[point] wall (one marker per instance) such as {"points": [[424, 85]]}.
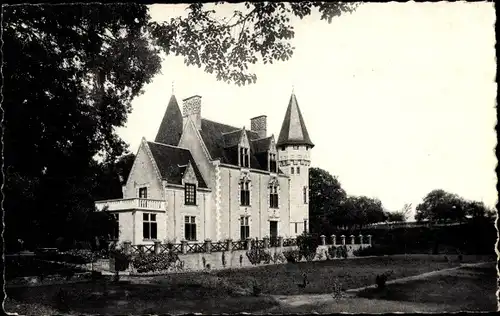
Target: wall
{"points": [[176, 210], [301, 157], [143, 174], [258, 211]]}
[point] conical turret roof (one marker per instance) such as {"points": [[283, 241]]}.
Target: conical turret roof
{"points": [[170, 130], [293, 130]]}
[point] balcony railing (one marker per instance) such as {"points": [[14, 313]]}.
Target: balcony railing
{"points": [[129, 204]]}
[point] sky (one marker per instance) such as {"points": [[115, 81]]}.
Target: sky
{"points": [[398, 98]]}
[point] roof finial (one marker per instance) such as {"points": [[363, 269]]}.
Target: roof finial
{"points": [[293, 89], [172, 87]]}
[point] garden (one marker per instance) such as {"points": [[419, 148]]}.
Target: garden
{"points": [[220, 291]]}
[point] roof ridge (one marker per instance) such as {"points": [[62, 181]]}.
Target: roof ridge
{"points": [[231, 126]]}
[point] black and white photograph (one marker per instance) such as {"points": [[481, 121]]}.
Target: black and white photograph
{"points": [[249, 157]]}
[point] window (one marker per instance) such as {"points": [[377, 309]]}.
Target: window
{"points": [[292, 169], [116, 226], [149, 226], [244, 228], [272, 163], [244, 158], [143, 193], [283, 148], [245, 193], [305, 226], [190, 194], [296, 147], [298, 170], [296, 227], [189, 228], [273, 196], [305, 195]]}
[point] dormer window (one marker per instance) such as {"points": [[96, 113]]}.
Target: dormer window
{"points": [[244, 157], [189, 194], [245, 193], [273, 166]]}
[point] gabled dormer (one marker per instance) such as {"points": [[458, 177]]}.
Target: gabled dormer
{"points": [[244, 150], [272, 156], [190, 183]]}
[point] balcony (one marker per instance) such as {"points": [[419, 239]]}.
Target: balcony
{"points": [[131, 204]]}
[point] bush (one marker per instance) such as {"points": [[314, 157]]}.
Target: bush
{"points": [[151, 262], [341, 252], [332, 252], [292, 256], [376, 250], [256, 256], [278, 257], [307, 244]]}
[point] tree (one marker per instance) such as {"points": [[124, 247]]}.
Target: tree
{"points": [[325, 197], [357, 211], [71, 72], [258, 31], [395, 217], [440, 205]]}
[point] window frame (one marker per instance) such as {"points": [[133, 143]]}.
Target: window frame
{"points": [[273, 197], [149, 221], [143, 190], [244, 227], [188, 198], [244, 193], [190, 233], [244, 157]]}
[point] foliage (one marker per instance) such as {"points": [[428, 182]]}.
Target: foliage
{"points": [[292, 255], [341, 252], [79, 256], [307, 244], [395, 216], [71, 74], [278, 257], [380, 280], [439, 205], [325, 197], [256, 256], [121, 259], [226, 47], [152, 262], [332, 252]]}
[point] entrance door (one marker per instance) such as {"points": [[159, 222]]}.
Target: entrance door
{"points": [[273, 229]]}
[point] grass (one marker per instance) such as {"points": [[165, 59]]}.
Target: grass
{"points": [[226, 291], [464, 289], [24, 266]]}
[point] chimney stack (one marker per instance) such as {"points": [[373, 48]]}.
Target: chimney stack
{"points": [[192, 108], [259, 124]]}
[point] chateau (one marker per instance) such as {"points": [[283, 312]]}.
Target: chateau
{"points": [[202, 179]]}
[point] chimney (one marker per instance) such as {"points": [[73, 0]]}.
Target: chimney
{"points": [[259, 124], [192, 108]]}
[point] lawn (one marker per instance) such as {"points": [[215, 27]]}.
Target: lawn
{"points": [[24, 266], [225, 291], [464, 289]]}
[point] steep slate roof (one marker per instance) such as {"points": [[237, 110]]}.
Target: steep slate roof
{"points": [[221, 141], [172, 162], [293, 130], [170, 130]]}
